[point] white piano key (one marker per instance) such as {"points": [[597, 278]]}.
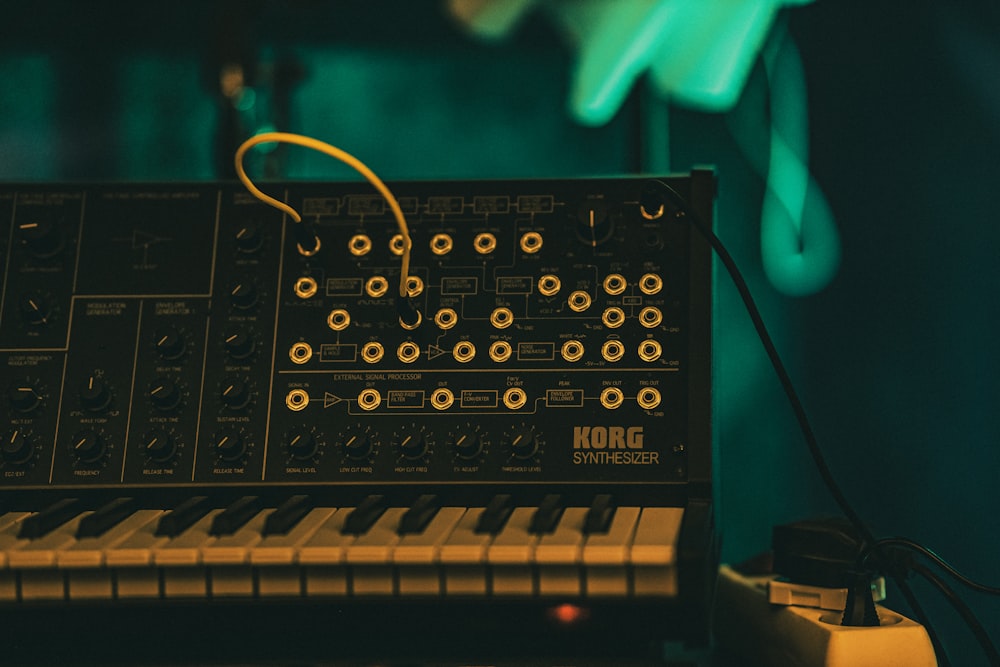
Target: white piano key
{"points": [[90, 552], [42, 584], [234, 549], [41, 552], [283, 549], [463, 557], [86, 579], [511, 555], [186, 548], [131, 561], [228, 558], [10, 524], [416, 555], [323, 557], [8, 586], [559, 554], [654, 551], [605, 555], [275, 556], [370, 555], [182, 574]]}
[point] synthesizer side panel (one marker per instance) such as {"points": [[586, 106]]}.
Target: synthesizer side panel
{"points": [[174, 335]]}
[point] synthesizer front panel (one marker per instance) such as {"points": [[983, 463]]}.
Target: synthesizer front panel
{"points": [[178, 336]]}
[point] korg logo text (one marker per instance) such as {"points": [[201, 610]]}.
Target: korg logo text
{"points": [[607, 437]]}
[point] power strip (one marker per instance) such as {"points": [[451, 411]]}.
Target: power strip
{"points": [[754, 632]]}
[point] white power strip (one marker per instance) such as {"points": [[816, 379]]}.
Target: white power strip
{"points": [[751, 630]]}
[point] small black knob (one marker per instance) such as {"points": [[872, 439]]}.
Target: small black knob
{"points": [[301, 444], [249, 238], [228, 444], [164, 394], [593, 223], [356, 443], [95, 395], [243, 293], [159, 445], [42, 238], [235, 393], [169, 343], [523, 443], [24, 397], [16, 446], [411, 442], [88, 446], [239, 344], [35, 309], [466, 443]]}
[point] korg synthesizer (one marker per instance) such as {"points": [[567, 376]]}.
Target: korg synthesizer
{"points": [[200, 413]]}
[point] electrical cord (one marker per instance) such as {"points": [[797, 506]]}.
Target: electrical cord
{"points": [[911, 545], [963, 610], [338, 154], [651, 201]]}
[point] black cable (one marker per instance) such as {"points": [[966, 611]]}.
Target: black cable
{"points": [[650, 202], [912, 545], [683, 210], [963, 610]]}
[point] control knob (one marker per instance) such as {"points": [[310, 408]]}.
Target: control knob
{"points": [[523, 443], [410, 442], [169, 343], [89, 446], [593, 223], [235, 393], [466, 443], [228, 444], [24, 396], [301, 444], [164, 394], [159, 445], [42, 238], [249, 238], [356, 443], [35, 309], [239, 344], [16, 446], [95, 394], [243, 293]]}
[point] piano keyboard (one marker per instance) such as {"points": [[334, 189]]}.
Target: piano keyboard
{"points": [[369, 550]]}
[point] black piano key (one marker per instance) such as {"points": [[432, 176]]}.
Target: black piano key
{"points": [[600, 514], [495, 515], [287, 515], [50, 518], [547, 515], [419, 515], [106, 517], [234, 517], [183, 516], [364, 516]]}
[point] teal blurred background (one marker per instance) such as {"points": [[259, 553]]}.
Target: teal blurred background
{"points": [[896, 359]]}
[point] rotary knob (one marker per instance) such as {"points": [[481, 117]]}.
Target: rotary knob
{"points": [[301, 444], [95, 394], [356, 443], [248, 238], [411, 443], [24, 397], [235, 393], [523, 443], [42, 238], [466, 443], [164, 393], [593, 223], [243, 293], [239, 344], [158, 445], [228, 444], [17, 447], [35, 309], [89, 446], [169, 343]]}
